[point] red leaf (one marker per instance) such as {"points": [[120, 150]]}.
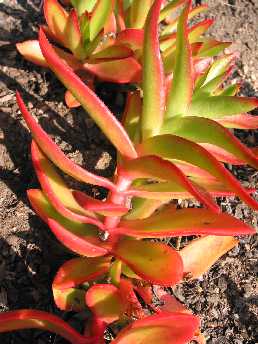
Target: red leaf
{"points": [[54, 153], [57, 192], [91, 103], [80, 270], [172, 328], [78, 237], [26, 319], [105, 208]]}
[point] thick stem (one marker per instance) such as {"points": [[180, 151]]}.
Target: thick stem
{"points": [[122, 184]]}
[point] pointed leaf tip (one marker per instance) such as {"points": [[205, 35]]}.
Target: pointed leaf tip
{"points": [[90, 102], [54, 153]]}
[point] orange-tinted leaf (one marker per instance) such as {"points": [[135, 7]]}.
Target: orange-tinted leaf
{"points": [[70, 100], [105, 302], [242, 121], [119, 71], [202, 253], [56, 18], [79, 270], [172, 328], [160, 264], [70, 299], [26, 319], [31, 51], [171, 222], [131, 37], [78, 237]]}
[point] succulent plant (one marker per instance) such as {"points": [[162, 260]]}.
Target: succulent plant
{"points": [[171, 145]]}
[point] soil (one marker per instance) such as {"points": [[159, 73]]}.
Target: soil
{"points": [[226, 298]]}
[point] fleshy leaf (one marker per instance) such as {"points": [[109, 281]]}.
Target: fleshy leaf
{"points": [[172, 328], [105, 208], [119, 71], [142, 208], [99, 17], [162, 192], [160, 264], [73, 36], [242, 121], [173, 23], [54, 153], [153, 76], [91, 103], [57, 191], [221, 106], [138, 13], [170, 8], [80, 270], [159, 169], [70, 101], [212, 47], [56, 18], [204, 130], [105, 302], [131, 37], [182, 86], [202, 253], [115, 51], [132, 114], [71, 299], [30, 50], [26, 319], [171, 222], [82, 5], [175, 147], [79, 237]]}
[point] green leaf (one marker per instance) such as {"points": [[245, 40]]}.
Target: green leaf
{"points": [[175, 147], [82, 5], [153, 76], [204, 130], [182, 86], [138, 13], [221, 106], [99, 17]]}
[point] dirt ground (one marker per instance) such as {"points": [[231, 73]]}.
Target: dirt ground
{"points": [[226, 298]]}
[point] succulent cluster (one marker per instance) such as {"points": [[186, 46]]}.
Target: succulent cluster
{"points": [[171, 145]]}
